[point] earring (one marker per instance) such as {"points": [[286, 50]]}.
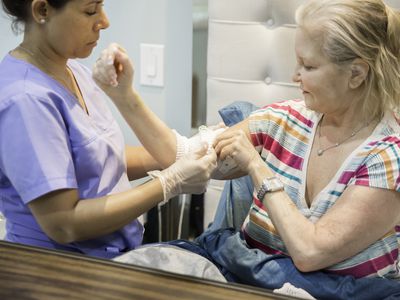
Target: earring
{"points": [[42, 21]]}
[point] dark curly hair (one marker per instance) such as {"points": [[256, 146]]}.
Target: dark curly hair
{"points": [[19, 10]]}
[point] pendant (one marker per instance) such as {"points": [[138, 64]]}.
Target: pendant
{"points": [[320, 152]]}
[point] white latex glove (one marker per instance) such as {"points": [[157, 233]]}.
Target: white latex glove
{"points": [[104, 70], [205, 134], [188, 175], [114, 71]]}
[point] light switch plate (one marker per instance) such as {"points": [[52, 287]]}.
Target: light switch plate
{"points": [[152, 65]]}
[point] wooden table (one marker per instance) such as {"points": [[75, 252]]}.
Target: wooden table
{"points": [[35, 273]]}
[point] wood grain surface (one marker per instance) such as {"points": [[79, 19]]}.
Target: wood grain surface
{"points": [[36, 273]]}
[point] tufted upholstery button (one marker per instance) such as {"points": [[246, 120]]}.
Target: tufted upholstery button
{"points": [[250, 53], [268, 80], [270, 22]]}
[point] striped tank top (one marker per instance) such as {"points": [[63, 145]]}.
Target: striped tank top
{"points": [[283, 134]]}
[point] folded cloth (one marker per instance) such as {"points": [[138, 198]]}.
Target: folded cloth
{"points": [[172, 259]]}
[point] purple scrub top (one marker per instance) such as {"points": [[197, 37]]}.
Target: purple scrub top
{"points": [[47, 143]]}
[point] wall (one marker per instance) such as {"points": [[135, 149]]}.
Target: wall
{"points": [[199, 86]]}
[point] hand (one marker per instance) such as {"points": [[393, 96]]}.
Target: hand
{"points": [[188, 175], [234, 145], [205, 134], [113, 71]]}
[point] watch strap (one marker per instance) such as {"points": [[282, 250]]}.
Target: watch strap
{"points": [[268, 185]]}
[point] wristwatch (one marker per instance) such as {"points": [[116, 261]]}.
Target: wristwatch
{"points": [[269, 184]]}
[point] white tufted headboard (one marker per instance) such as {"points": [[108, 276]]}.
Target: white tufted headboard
{"points": [[250, 58], [250, 53]]}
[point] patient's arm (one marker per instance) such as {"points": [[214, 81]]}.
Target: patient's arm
{"points": [[342, 232]]}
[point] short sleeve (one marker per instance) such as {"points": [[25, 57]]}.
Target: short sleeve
{"points": [[259, 123], [35, 153], [381, 168]]}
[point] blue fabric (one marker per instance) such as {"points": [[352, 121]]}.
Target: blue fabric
{"points": [[236, 112], [223, 244], [236, 196], [229, 252]]}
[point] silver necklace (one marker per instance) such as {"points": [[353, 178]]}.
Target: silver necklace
{"points": [[65, 82], [26, 50], [321, 151]]}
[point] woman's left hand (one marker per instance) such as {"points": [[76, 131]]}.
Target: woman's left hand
{"points": [[236, 145], [113, 71]]}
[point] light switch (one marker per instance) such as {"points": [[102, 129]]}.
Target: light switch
{"points": [[152, 65]]}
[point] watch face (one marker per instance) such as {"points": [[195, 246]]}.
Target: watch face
{"points": [[271, 184]]}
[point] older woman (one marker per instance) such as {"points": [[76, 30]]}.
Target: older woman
{"points": [[326, 168], [64, 166]]}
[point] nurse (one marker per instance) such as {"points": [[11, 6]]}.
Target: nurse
{"points": [[64, 167]]}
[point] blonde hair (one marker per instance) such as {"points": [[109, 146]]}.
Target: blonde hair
{"points": [[366, 29]]}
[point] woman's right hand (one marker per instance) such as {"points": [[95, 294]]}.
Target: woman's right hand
{"points": [[114, 72], [235, 146]]}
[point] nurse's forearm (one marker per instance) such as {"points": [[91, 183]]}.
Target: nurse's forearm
{"points": [[112, 212], [154, 134], [139, 162], [66, 219]]}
